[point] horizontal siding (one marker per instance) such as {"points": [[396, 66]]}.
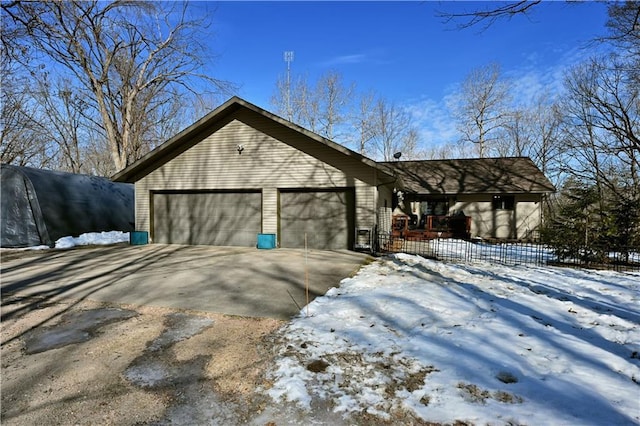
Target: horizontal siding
{"points": [[270, 210], [142, 208], [523, 222], [365, 205], [265, 163]]}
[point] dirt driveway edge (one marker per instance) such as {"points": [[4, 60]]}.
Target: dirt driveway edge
{"points": [[156, 366]]}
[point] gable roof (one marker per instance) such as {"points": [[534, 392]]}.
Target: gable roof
{"points": [[472, 176], [206, 125]]}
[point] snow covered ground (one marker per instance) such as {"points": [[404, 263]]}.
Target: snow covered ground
{"points": [[479, 343]]}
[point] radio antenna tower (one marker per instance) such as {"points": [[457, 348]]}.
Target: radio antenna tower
{"points": [[288, 58]]}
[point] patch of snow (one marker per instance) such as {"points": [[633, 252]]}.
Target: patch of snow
{"points": [[479, 343], [43, 247], [90, 238], [93, 238]]}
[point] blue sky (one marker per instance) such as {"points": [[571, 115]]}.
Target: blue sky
{"points": [[401, 50]]}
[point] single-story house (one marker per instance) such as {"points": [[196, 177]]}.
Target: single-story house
{"points": [[502, 196], [40, 206], [241, 171]]}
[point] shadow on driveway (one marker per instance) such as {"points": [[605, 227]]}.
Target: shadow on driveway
{"points": [[230, 280]]}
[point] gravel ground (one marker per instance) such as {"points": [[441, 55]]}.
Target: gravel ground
{"points": [[87, 363]]}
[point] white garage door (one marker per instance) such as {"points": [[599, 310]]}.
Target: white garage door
{"points": [[212, 218], [327, 217]]}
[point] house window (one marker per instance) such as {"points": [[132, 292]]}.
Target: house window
{"points": [[503, 202], [436, 207]]}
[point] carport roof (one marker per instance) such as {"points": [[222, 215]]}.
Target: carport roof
{"points": [[510, 175], [176, 144]]}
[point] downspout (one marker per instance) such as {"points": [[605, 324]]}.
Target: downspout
{"points": [[378, 185], [376, 197]]}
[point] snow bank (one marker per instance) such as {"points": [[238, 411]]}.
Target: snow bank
{"points": [[93, 238]]}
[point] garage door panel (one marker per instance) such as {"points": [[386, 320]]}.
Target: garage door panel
{"points": [[207, 218], [326, 217]]}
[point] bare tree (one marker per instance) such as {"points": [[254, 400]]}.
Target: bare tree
{"points": [[546, 148], [392, 132], [335, 98], [362, 123], [22, 141], [306, 103], [480, 106], [97, 158], [624, 27], [603, 112], [130, 57], [371, 125], [489, 14], [59, 108], [321, 108], [534, 130], [298, 102], [602, 128], [514, 139], [281, 99], [446, 151]]}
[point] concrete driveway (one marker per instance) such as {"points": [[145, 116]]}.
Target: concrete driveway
{"points": [[229, 280]]}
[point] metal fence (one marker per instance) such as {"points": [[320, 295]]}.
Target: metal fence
{"points": [[509, 253], [618, 259]]}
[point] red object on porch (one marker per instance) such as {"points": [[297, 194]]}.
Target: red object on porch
{"points": [[431, 227]]}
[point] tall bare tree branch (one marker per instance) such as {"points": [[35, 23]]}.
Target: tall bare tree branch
{"points": [[131, 58], [490, 14], [480, 107]]}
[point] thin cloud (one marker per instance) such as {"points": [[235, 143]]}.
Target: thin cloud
{"points": [[435, 125], [532, 79], [356, 58]]}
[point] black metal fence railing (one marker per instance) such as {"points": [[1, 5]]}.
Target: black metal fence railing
{"points": [[619, 259], [510, 253]]}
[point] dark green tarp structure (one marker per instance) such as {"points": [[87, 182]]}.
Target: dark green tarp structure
{"points": [[40, 206]]}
